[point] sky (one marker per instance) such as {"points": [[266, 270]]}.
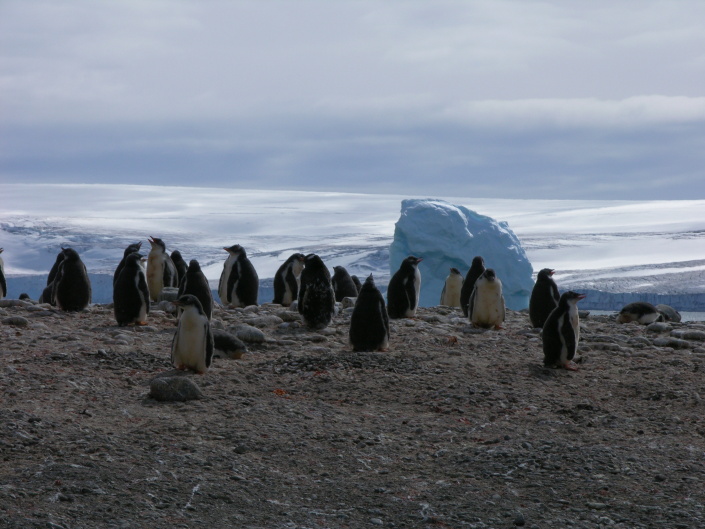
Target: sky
{"points": [[587, 99]]}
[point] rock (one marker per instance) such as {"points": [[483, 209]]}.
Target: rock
{"points": [[672, 342], [7, 303], [658, 326], [348, 302], [248, 334], [264, 321], [17, 321], [168, 294], [698, 336], [174, 389]]}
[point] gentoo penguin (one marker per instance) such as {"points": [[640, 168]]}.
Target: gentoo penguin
{"points": [[343, 285], [46, 296], [227, 345], [239, 284], [316, 297], [130, 292], [403, 289], [640, 312], [286, 280], [195, 282], [561, 332], [450, 295], [132, 248], [3, 283], [71, 287], [192, 346], [476, 268], [544, 297], [669, 313], [161, 271], [180, 264], [486, 305], [356, 280], [369, 323]]}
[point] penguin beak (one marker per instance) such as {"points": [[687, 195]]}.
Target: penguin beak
{"points": [[581, 296], [551, 272]]}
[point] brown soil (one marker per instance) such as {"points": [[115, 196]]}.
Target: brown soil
{"points": [[450, 428]]}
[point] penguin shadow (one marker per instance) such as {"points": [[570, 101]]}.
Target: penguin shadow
{"points": [[542, 372]]}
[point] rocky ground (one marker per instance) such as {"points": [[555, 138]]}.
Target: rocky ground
{"points": [[450, 428]]}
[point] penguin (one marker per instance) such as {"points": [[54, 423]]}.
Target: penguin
{"points": [[343, 285], [356, 280], [476, 268], [180, 264], [3, 283], [195, 282], [226, 345], [192, 346], [640, 312], [130, 292], [161, 271], [561, 332], [369, 323], [544, 297], [450, 295], [669, 313], [316, 302], [71, 288], [286, 280], [239, 284], [46, 295], [132, 248], [486, 306], [403, 289]]}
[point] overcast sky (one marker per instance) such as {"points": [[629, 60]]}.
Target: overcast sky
{"points": [[583, 99]]}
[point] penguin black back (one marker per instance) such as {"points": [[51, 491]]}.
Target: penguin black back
{"points": [[71, 286], [132, 248], [316, 297], [561, 332], [403, 289], [195, 283], [544, 297], [130, 292], [3, 282], [180, 264], [343, 285], [369, 323], [477, 267], [356, 280], [286, 280]]}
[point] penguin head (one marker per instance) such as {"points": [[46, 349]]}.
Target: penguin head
{"points": [[570, 298], [339, 271], [236, 250], [133, 259], [454, 271], [176, 256], [189, 300], [132, 248], [369, 283], [489, 274], [545, 273], [70, 254], [157, 243], [413, 260], [193, 265], [477, 261]]}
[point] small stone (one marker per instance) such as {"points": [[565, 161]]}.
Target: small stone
{"points": [[519, 520], [349, 302], [174, 389], [596, 505], [17, 321], [658, 327], [376, 521], [248, 333]]}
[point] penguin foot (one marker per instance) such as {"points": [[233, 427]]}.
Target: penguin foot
{"points": [[570, 367], [141, 323]]}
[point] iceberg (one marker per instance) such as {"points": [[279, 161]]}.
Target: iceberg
{"points": [[446, 235]]}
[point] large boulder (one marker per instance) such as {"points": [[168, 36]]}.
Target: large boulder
{"points": [[445, 236]]}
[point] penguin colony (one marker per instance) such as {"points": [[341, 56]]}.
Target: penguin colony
{"points": [[306, 282]]}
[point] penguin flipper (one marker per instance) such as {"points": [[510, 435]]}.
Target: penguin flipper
{"points": [[170, 277], [411, 294], [3, 283], [209, 343], [471, 302], [293, 284], [568, 334], [174, 345], [232, 279], [144, 290], [443, 294]]}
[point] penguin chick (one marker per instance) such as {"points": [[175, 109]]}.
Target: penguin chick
{"points": [[239, 283], [369, 323], [192, 346], [544, 297], [316, 302], [3, 283], [286, 280], [161, 271], [450, 295], [561, 332], [476, 268], [195, 282], [132, 248], [640, 312], [47, 293], [180, 264], [486, 306], [227, 345], [403, 289], [356, 280], [71, 288], [130, 293], [343, 285]]}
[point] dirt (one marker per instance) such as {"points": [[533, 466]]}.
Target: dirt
{"points": [[451, 428]]}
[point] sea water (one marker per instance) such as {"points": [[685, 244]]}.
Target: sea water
{"points": [[685, 316]]}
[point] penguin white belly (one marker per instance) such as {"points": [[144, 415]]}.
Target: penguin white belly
{"points": [[575, 323], [144, 303], [190, 345], [489, 307], [451, 294], [155, 275], [288, 298], [417, 285], [224, 278]]}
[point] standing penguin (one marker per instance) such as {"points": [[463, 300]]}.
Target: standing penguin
{"points": [[286, 280], [316, 297], [450, 295], [239, 283], [403, 290], [369, 323], [130, 292], [71, 287], [46, 296], [544, 297], [195, 282], [192, 346], [486, 306], [180, 264], [343, 285], [161, 271], [640, 312], [355, 280], [3, 283], [561, 332], [477, 267], [132, 248]]}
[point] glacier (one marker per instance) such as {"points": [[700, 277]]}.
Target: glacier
{"points": [[446, 235]]}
